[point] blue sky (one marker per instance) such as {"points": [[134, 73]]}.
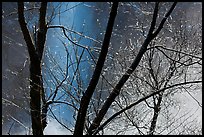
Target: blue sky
{"points": [[84, 19], [80, 19]]}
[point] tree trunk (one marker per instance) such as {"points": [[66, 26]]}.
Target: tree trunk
{"points": [[156, 114], [36, 83], [79, 126], [116, 91], [35, 96]]}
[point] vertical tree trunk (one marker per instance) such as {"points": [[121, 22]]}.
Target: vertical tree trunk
{"points": [[35, 54], [79, 126], [35, 96], [116, 91], [156, 114]]}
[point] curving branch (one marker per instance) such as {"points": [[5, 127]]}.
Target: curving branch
{"points": [[72, 31], [139, 101], [60, 121], [116, 91], [175, 51]]}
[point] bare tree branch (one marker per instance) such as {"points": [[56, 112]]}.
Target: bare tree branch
{"points": [[60, 122], [192, 96], [25, 31], [79, 126], [176, 51], [36, 82], [42, 30], [116, 91], [154, 18], [139, 101], [164, 19], [73, 31]]}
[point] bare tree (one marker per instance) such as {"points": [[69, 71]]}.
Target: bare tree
{"points": [[132, 84], [160, 70], [35, 50]]}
